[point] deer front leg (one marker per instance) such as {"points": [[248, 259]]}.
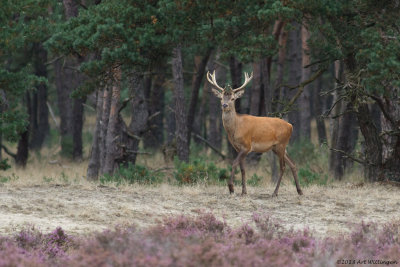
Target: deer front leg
{"points": [[280, 152], [235, 163]]}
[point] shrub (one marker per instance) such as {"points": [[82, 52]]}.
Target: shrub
{"points": [[254, 180], [132, 174], [308, 177], [303, 152], [8, 178], [198, 171], [204, 240]]}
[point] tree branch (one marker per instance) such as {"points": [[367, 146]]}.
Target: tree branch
{"points": [[8, 151], [210, 145], [349, 156], [300, 90], [381, 105]]}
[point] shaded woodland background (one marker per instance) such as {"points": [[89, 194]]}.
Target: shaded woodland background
{"points": [[141, 66]]}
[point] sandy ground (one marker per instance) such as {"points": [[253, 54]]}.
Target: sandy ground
{"points": [[83, 208]]}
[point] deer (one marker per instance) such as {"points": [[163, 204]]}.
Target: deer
{"points": [[249, 133]]}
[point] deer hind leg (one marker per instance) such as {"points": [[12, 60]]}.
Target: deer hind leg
{"points": [[294, 172], [236, 162], [244, 189], [280, 152]]}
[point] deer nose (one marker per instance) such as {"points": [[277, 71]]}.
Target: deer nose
{"points": [[224, 105]]}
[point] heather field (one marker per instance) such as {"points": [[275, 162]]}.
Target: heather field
{"points": [[63, 220]]}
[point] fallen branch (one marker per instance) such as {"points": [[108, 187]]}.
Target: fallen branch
{"points": [[210, 145]]}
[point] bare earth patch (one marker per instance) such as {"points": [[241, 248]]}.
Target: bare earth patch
{"points": [[84, 208]]}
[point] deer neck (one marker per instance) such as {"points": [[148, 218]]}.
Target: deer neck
{"points": [[229, 120]]}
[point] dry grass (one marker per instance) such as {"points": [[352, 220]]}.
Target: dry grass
{"points": [[51, 195]]}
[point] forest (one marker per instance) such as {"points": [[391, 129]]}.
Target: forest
{"points": [[116, 98]]}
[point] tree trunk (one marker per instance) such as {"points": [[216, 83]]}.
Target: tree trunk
{"points": [[154, 137], [169, 148], [255, 100], [94, 159], [139, 118], [304, 99], [199, 125], [23, 149], [334, 122], [294, 78], [235, 68], [255, 105], [200, 66], [104, 127], [346, 140], [280, 70], [111, 147], [391, 138], [319, 111], [182, 144], [71, 111], [77, 115], [63, 80], [21, 157], [40, 122], [373, 144], [214, 105]]}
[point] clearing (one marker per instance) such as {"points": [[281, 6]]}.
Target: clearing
{"points": [[83, 208]]}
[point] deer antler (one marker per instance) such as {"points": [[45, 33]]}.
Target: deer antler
{"points": [[247, 79], [212, 80]]}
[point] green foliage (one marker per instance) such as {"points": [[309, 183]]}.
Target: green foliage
{"points": [[132, 174], [67, 146], [309, 177], [303, 152], [23, 24], [48, 179], [254, 180], [198, 171], [8, 178], [4, 164]]}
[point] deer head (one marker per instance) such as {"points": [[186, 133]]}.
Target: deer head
{"points": [[227, 94]]}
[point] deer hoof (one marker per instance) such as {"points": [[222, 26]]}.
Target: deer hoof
{"points": [[275, 194], [300, 192]]}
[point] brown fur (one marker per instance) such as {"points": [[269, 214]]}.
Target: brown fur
{"points": [[249, 133]]}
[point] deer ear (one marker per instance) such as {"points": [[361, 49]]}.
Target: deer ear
{"points": [[239, 94], [217, 93]]}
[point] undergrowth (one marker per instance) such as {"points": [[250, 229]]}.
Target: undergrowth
{"points": [[132, 174]]}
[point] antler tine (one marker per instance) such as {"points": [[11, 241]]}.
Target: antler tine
{"points": [[247, 79], [213, 80]]}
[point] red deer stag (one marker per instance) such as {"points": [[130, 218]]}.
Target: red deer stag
{"points": [[251, 133]]}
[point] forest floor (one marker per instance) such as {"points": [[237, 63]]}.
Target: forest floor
{"points": [[81, 208]]}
